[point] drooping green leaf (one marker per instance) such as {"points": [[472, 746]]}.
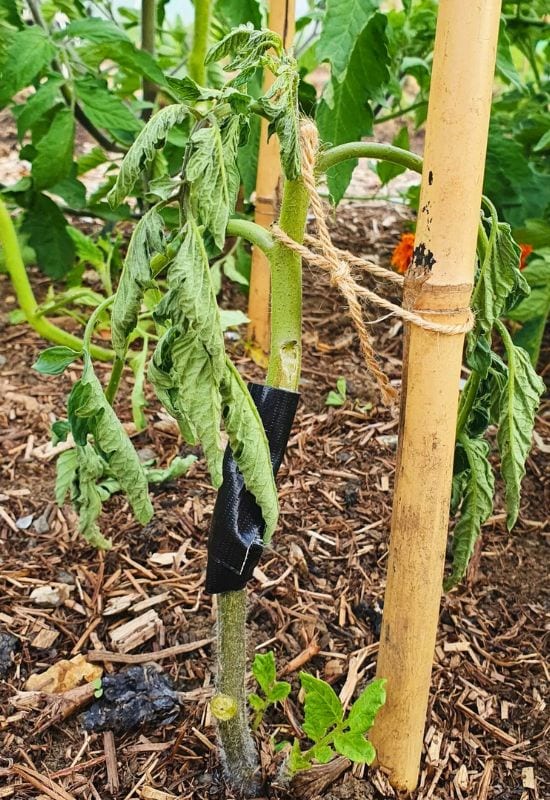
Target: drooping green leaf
{"points": [[500, 284], [42, 101], [137, 398], [165, 382], [344, 113], [143, 150], [247, 46], [46, 228], [54, 151], [136, 278], [198, 397], [214, 177], [477, 505], [55, 360], [29, 52], [355, 747], [364, 710], [103, 108], [66, 468], [250, 446], [178, 468], [90, 413], [86, 496], [191, 301], [344, 22], [280, 106], [518, 406], [264, 670], [322, 707]]}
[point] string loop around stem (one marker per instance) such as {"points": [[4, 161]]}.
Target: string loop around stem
{"points": [[320, 251]]}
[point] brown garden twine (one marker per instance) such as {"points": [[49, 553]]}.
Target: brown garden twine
{"points": [[320, 251]]}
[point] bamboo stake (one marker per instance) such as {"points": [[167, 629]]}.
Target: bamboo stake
{"points": [[456, 138], [282, 21]]}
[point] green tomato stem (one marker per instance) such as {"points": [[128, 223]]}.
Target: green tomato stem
{"points": [[201, 29], [25, 295], [381, 152], [286, 291], [239, 753]]}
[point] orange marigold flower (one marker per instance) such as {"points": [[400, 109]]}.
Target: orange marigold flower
{"points": [[526, 250], [403, 253]]}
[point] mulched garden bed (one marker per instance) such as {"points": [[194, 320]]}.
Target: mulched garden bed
{"points": [[315, 602]]}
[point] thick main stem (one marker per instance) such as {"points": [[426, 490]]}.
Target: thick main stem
{"points": [[239, 755], [281, 21], [238, 749], [148, 26], [458, 119], [201, 29], [25, 295]]}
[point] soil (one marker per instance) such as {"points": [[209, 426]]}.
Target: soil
{"points": [[322, 582]]}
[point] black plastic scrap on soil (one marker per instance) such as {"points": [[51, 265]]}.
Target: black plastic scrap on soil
{"points": [[235, 543], [8, 646], [132, 698]]}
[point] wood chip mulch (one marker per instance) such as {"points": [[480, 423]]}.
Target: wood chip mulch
{"points": [[315, 601]]}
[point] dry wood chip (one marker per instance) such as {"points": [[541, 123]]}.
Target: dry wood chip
{"points": [[134, 633], [150, 793], [44, 639], [63, 676], [528, 778]]}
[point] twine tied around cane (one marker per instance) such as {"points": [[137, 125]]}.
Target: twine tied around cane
{"points": [[320, 251]]}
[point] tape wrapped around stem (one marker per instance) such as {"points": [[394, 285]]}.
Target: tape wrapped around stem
{"points": [[235, 543]]}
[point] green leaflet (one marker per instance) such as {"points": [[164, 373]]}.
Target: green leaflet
{"points": [[344, 21], [363, 712], [344, 113], [190, 303], [103, 108], [518, 406], [322, 707], [46, 228], [29, 52], [249, 446], [43, 100], [198, 397], [143, 150], [54, 151], [178, 467], [136, 278], [477, 485], [90, 413], [213, 175], [500, 284], [280, 106], [355, 747], [55, 360]]}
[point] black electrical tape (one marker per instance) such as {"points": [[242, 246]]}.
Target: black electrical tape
{"points": [[235, 543]]}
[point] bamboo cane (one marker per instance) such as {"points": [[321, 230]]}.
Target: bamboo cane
{"points": [[281, 20], [456, 138]]}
